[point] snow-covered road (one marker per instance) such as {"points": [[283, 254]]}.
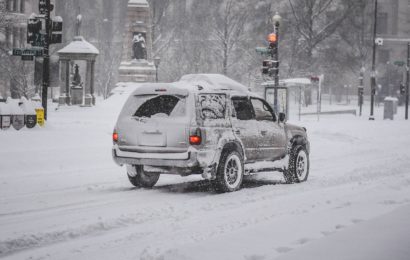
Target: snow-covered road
{"points": [[62, 197]]}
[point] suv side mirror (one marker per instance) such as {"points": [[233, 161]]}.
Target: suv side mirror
{"points": [[282, 117]]}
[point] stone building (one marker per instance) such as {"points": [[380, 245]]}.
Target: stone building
{"points": [[393, 26]]}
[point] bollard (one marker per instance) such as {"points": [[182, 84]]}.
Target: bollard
{"points": [[17, 114], [30, 115], [5, 116]]}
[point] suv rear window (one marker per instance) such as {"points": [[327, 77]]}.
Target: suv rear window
{"points": [[212, 106], [157, 106]]}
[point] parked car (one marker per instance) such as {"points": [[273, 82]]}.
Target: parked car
{"points": [[206, 124]]}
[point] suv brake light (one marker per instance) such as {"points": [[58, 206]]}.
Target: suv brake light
{"points": [[115, 137], [195, 138]]}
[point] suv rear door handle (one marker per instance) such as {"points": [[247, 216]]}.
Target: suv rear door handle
{"points": [[264, 132]]}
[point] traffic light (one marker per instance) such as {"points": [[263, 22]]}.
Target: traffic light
{"points": [[42, 6], [56, 30], [314, 79], [33, 30], [402, 89], [267, 66], [360, 91], [273, 40]]}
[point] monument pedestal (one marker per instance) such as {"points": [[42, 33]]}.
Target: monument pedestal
{"points": [[136, 71], [136, 62]]}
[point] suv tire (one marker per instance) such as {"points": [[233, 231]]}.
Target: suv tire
{"points": [[230, 172], [142, 179], [298, 169]]}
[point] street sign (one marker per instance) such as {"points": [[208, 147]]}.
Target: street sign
{"points": [[263, 50], [27, 57], [399, 63], [27, 52]]}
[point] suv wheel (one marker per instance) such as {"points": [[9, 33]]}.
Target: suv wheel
{"points": [[230, 171], [298, 169], [139, 178]]}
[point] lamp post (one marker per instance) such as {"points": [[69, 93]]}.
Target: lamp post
{"points": [[407, 82], [276, 19], [361, 89], [373, 73], [157, 61]]}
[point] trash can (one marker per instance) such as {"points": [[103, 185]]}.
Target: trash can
{"points": [[389, 108], [39, 112], [17, 114], [30, 115], [395, 105], [5, 116]]}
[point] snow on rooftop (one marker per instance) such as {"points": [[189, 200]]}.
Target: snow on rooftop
{"points": [[58, 19], [79, 45], [290, 82], [138, 2]]}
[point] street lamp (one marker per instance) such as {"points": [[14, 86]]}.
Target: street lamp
{"points": [[361, 89], [373, 73], [157, 61], [276, 19]]}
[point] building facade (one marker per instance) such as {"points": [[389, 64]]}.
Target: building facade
{"points": [[13, 30], [393, 26]]}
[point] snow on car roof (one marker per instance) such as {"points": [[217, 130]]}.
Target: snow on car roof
{"points": [[192, 83], [214, 82]]}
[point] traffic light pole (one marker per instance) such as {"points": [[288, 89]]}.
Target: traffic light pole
{"points": [[275, 57], [373, 73], [46, 59], [407, 81], [361, 90]]}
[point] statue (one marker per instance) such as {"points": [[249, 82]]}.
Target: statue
{"points": [[78, 22], [139, 47], [77, 78]]}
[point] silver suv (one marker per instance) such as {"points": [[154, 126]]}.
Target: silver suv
{"points": [[206, 124]]}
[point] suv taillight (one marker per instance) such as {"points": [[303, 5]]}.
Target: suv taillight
{"points": [[196, 137], [115, 137]]}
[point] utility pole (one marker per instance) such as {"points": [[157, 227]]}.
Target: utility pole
{"points": [[373, 72], [275, 57], [46, 57], [361, 90], [407, 81]]}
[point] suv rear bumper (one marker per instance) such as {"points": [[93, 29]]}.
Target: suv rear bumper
{"points": [[181, 160]]}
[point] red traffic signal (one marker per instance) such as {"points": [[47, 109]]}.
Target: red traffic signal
{"points": [[272, 38], [314, 79]]}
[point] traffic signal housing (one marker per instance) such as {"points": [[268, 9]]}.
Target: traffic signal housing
{"points": [[314, 79], [33, 30], [360, 91], [267, 66], [273, 40], [402, 89], [56, 30]]}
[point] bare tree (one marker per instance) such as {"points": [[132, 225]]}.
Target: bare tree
{"points": [[228, 32], [315, 21]]}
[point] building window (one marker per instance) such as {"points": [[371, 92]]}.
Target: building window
{"points": [[384, 56], [382, 24], [22, 6], [15, 5]]}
